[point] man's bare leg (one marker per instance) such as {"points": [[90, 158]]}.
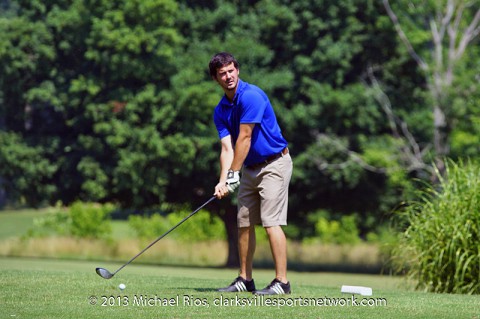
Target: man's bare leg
{"points": [[278, 245], [246, 250]]}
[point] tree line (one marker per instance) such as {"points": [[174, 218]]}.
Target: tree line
{"points": [[111, 101]]}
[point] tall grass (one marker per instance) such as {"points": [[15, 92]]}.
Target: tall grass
{"points": [[200, 242], [168, 252], [441, 244], [301, 256]]}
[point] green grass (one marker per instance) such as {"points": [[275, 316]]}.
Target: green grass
{"points": [[47, 288], [440, 246], [121, 230], [15, 223], [51, 288], [18, 222]]}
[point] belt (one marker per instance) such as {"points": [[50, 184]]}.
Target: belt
{"points": [[269, 159]]}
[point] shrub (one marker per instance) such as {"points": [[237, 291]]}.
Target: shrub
{"points": [[55, 223], [202, 226], [148, 227], [440, 247], [344, 231], [82, 220], [330, 231], [90, 220]]}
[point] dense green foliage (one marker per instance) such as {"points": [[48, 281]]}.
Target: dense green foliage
{"points": [[203, 228], [92, 220], [328, 230], [440, 247], [24, 170], [80, 220], [110, 101]]}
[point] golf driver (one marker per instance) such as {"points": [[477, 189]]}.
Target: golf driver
{"points": [[104, 273]]}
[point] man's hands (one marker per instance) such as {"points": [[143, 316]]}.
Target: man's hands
{"points": [[233, 180], [224, 189], [233, 159]]}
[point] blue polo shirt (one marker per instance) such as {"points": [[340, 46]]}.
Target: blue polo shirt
{"points": [[250, 106]]}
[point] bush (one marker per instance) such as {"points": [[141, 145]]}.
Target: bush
{"points": [[148, 227], [440, 247], [330, 231], [81, 220], [90, 220], [202, 226]]}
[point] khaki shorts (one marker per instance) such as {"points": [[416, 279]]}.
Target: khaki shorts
{"points": [[263, 193]]}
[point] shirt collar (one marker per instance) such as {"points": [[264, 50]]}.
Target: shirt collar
{"points": [[240, 88]]}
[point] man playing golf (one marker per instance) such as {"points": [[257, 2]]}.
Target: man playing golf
{"points": [[251, 141]]}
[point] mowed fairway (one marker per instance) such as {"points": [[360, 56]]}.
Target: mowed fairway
{"points": [[42, 288]]}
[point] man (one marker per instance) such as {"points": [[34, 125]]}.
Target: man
{"points": [[251, 141]]}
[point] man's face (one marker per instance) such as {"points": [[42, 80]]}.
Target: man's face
{"points": [[227, 77]]}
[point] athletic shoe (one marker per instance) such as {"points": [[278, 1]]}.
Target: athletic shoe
{"points": [[239, 285], [276, 287]]}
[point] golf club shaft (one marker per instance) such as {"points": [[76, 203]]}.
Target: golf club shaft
{"points": [[166, 233]]}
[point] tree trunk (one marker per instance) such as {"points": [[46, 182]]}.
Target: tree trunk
{"points": [[440, 135], [3, 194], [230, 220]]}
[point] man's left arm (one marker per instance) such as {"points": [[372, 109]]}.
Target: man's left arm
{"points": [[242, 146]]}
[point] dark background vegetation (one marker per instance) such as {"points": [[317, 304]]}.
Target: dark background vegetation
{"points": [[111, 102]]}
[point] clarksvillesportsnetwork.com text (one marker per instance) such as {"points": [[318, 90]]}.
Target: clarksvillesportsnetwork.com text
{"points": [[238, 301]]}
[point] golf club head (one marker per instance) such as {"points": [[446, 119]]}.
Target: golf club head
{"points": [[102, 272]]}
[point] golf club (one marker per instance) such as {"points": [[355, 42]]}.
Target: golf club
{"points": [[104, 273]]}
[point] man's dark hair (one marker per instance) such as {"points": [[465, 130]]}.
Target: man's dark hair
{"points": [[219, 60]]}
